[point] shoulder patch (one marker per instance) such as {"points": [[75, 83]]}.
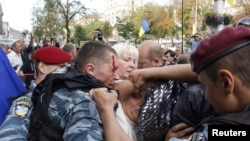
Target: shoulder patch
{"points": [[22, 106]]}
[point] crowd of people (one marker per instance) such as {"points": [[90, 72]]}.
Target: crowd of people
{"points": [[129, 93]]}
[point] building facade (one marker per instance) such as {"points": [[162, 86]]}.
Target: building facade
{"points": [[121, 9], [9, 35]]}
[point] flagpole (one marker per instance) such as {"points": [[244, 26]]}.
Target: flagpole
{"points": [[182, 24], [195, 18]]}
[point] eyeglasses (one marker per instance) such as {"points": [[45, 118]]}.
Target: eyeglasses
{"points": [[244, 22]]}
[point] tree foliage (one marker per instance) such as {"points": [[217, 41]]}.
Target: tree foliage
{"points": [[156, 15], [166, 21], [90, 27], [243, 13], [79, 35], [69, 11], [56, 15], [37, 22], [45, 21], [186, 15], [107, 29], [124, 28], [160, 18]]}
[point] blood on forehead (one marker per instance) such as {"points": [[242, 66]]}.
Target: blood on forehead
{"points": [[110, 76]]}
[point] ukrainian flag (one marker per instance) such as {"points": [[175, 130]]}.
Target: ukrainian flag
{"points": [[144, 27], [10, 85]]}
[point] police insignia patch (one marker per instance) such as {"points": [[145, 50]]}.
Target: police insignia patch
{"points": [[22, 106]]}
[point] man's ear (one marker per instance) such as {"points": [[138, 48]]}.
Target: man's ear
{"points": [[227, 80], [90, 69], [42, 67], [157, 61]]}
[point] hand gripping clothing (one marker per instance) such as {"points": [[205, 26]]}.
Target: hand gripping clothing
{"points": [[63, 109]]}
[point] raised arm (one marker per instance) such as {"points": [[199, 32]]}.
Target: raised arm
{"points": [[180, 73]]}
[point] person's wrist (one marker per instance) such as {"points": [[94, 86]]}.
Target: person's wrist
{"points": [[106, 110], [148, 74]]}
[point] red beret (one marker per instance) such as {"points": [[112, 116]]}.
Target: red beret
{"points": [[219, 45], [51, 55]]}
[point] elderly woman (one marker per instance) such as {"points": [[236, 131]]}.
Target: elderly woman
{"points": [[127, 100], [128, 59], [128, 104]]}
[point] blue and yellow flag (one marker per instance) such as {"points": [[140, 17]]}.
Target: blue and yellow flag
{"points": [[144, 27], [11, 85]]}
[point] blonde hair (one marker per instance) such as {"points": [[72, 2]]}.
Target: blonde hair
{"points": [[123, 48]]}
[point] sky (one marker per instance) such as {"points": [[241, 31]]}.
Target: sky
{"points": [[18, 13]]}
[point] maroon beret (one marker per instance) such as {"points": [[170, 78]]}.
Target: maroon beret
{"points": [[52, 55], [218, 45]]}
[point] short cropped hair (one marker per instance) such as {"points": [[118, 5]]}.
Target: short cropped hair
{"points": [[69, 47], [183, 58], [171, 53], [237, 62], [93, 52]]}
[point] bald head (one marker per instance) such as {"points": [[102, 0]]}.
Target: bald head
{"points": [[148, 45], [183, 58], [70, 48], [150, 54]]}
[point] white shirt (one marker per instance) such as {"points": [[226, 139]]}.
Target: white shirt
{"points": [[15, 59], [126, 124]]}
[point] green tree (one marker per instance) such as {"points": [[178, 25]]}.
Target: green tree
{"points": [[136, 17], [57, 14], [188, 13], [37, 23], [107, 29], [124, 28], [69, 11], [79, 35], [160, 18], [91, 26], [45, 21]]}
